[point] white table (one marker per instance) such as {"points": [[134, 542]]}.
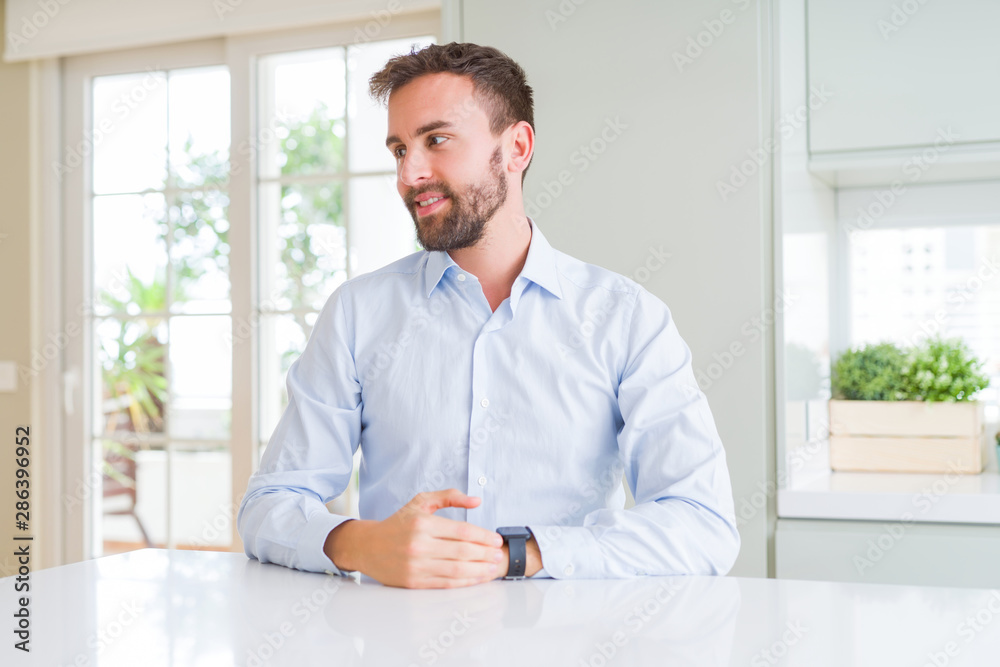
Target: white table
{"points": [[158, 607]]}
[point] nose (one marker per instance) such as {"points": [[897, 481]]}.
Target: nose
{"points": [[413, 168]]}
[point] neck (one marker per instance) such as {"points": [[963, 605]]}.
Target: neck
{"points": [[499, 257]]}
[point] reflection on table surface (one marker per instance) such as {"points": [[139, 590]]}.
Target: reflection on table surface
{"points": [[159, 607]]}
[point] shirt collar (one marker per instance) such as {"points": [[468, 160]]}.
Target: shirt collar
{"points": [[437, 263], [539, 266]]}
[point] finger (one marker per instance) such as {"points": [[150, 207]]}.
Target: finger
{"points": [[467, 551], [459, 569], [432, 501], [449, 529]]}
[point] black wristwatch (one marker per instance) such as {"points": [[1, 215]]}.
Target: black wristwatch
{"points": [[516, 538]]}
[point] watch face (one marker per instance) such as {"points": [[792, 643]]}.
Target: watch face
{"points": [[514, 531]]}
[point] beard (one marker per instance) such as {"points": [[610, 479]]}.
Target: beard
{"points": [[464, 223]]}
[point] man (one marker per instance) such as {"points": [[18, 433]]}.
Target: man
{"points": [[490, 364]]}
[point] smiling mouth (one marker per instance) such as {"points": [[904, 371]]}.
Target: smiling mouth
{"points": [[425, 208]]}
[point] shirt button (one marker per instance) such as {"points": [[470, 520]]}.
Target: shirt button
{"points": [[568, 570], [485, 402], [482, 480], [461, 276]]}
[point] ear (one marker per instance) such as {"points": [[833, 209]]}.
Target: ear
{"points": [[522, 146]]}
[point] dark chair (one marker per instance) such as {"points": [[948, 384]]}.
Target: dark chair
{"points": [[119, 480]]}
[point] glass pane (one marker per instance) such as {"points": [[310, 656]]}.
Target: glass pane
{"points": [[907, 284], [130, 132], [382, 230], [200, 254], [283, 337], [201, 373], [154, 252], [302, 244], [807, 353], [133, 484], [201, 508], [131, 362], [199, 126], [901, 278], [302, 112], [130, 256], [369, 121]]}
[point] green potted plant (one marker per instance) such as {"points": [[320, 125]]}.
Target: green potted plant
{"points": [[909, 410]]}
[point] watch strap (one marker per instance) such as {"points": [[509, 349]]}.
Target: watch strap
{"points": [[518, 555]]}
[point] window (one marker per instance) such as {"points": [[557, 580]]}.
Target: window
{"points": [[327, 201], [223, 189], [913, 282], [162, 366], [925, 266]]}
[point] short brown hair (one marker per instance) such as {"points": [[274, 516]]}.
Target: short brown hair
{"points": [[500, 86]]}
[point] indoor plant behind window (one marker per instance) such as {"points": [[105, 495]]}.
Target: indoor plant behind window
{"points": [[907, 410]]}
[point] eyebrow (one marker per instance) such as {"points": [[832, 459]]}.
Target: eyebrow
{"points": [[423, 129]]}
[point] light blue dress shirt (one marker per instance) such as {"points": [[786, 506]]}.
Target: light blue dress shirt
{"points": [[538, 408]]}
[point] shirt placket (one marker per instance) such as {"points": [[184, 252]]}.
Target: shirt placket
{"points": [[484, 423]]}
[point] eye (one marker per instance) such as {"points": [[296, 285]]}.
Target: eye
{"points": [[400, 152]]}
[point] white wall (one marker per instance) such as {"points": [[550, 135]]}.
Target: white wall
{"points": [[655, 185], [15, 334], [47, 28]]}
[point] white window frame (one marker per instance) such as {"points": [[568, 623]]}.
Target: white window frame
{"points": [[71, 259]]}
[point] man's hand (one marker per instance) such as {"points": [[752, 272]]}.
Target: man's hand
{"points": [[413, 548]]}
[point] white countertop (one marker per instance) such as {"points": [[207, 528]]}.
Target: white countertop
{"points": [[812, 491], [189, 609]]}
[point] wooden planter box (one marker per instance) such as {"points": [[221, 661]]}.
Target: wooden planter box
{"points": [[906, 436]]}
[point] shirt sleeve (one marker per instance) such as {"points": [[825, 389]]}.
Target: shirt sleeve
{"points": [[310, 457], [683, 522]]}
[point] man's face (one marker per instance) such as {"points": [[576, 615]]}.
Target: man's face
{"points": [[444, 150]]}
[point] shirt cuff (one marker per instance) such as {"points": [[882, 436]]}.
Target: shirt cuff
{"points": [[568, 552], [312, 558], [541, 574]]}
